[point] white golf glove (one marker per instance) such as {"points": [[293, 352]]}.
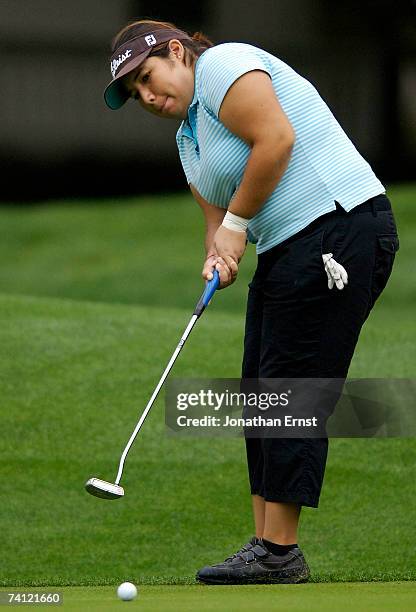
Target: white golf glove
{"points": [[337, 274]]}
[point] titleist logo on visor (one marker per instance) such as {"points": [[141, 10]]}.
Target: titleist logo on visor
{"points": [[116, 63]]}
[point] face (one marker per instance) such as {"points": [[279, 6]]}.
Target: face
{"points": [[163, 86]]}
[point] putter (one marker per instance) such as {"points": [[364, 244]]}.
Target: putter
{"points": [[109, 490]]}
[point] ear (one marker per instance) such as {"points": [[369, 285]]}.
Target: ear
{"points": [[176, 48]]}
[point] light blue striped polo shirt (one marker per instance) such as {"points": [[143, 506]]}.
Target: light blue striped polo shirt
{"points": [[324, 167]]}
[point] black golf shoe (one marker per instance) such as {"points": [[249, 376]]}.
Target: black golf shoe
{"points": [[254, 564]]}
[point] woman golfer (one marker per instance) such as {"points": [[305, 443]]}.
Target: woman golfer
{"points": [[267, 162]]}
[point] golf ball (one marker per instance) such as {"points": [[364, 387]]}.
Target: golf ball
{"points": [[127, 591]]}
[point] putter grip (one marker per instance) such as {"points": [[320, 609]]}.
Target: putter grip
{"points": [[210, 289]]}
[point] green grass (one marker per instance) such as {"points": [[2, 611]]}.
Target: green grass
{"points": [[75, 374], [142, 251], [362, 597]]}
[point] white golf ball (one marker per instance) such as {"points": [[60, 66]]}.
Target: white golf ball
{"points": [[127, 591]]}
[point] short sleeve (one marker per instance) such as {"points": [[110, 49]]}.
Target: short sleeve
{"points": [[184, 155], [220, 67]]}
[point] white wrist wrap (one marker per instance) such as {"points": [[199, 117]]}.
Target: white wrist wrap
{"points": [[234, 222]]}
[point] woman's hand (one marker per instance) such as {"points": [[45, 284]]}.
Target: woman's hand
{"points": [[230, 245], [227, 275]]}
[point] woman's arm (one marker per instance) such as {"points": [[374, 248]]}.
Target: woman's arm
{"points": [[252, 111], [213, 216]]}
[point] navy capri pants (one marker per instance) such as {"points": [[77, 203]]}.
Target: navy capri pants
{"points": [[297, 328]]}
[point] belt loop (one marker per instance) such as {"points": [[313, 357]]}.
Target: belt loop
{"points": [[373, 207]]}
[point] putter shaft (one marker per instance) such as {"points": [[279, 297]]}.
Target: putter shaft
{"points": [[178, 349]]}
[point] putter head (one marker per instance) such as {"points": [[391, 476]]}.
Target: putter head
{"points": [[103, 489]]}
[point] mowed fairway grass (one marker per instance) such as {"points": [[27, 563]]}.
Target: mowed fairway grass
{"points": [[94, 297], [340, 597]]}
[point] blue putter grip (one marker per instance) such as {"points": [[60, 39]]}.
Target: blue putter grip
{"points": [[210, 289]]}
